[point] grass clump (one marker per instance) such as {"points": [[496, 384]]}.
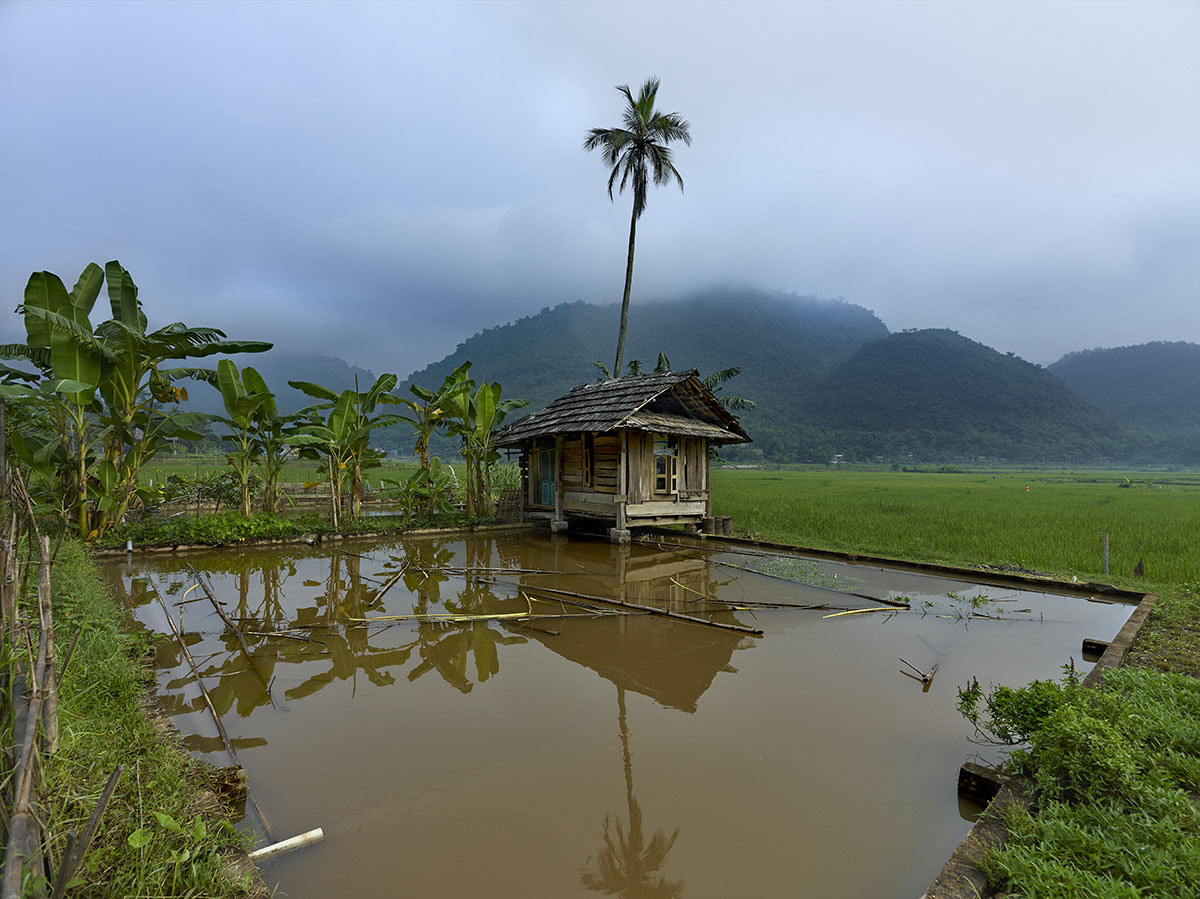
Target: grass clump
{"points": [[1115, 769], [163, 833]]}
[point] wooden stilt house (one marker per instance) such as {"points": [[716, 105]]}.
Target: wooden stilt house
{"points": [[631, 451]]}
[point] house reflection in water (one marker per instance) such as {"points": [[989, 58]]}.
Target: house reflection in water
{"points": [[316, 596]]}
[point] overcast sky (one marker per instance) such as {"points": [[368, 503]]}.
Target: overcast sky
{"points": [[380, 181]]}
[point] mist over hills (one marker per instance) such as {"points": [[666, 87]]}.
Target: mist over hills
{"points": [[765, 332], [1154, 385], [829, 379]]}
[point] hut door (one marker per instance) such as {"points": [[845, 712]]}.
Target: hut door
{"points": [[546, 476]]}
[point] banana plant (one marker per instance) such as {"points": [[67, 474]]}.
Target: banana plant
{"points": [[241, 410], [433, 409], [424, 490], [103, 384], [271, 432], [344, 438], [475, 418]]}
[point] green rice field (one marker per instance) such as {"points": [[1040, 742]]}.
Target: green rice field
{"points": [[979, 518], [295, 472]]}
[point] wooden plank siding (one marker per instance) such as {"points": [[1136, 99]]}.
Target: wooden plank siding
{"points": [[640, 464], [572, 463], [619, 491], [607, 458]]}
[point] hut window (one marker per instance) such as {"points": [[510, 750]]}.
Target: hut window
{"points": [[589, 460], [666, 464]]}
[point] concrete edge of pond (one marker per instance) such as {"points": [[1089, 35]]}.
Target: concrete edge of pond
{"points": [[312, 539], [982, 575], [960, 878]]}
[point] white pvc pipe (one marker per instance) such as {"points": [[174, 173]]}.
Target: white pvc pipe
{"points": [[296, 842]]}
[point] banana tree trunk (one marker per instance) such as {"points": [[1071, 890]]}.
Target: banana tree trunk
{"points": [[335, 490]]}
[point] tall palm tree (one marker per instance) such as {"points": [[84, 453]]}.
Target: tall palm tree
{"points": [[637, 153]]}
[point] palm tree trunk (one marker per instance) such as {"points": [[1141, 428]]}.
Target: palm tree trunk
{"points": [[616, 372]]}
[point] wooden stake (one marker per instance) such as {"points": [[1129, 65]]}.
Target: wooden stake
{"points": [[46, 616]]}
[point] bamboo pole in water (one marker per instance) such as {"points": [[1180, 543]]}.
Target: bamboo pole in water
{"points": [[679, 616], [208, 701], [203, 582]]}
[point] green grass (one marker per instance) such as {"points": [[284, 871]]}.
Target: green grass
{"points": [[977, 518], [295, 472], [1116, 769], [163, 833]]}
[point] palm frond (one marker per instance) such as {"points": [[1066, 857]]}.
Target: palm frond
{"points": [[720, 377]]}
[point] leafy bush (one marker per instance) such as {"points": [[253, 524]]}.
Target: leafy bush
{"points": [[1113, 768]]}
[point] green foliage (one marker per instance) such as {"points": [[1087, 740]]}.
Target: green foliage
{"points": [[976, 518], [426, 492], [221, 488], [342, 437], [99, 388], [161, 834], [217, 529], [1114, 768]]}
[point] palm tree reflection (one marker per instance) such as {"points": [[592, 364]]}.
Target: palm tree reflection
{"points": [[627, 865]]}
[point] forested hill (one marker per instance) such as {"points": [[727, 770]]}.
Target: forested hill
{"points": [[1154, 385], [936, 394], [785, 344]]}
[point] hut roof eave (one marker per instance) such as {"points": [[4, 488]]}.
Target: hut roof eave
{"points": [[622, 403]]}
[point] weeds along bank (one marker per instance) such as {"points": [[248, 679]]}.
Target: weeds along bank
{"points": [[1114, 769], [163, 833]]}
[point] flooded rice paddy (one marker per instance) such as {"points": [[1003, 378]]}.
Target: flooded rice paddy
{"points": [[500, 739]]}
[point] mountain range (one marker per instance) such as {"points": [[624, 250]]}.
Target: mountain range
{"points": [[829, 378]]}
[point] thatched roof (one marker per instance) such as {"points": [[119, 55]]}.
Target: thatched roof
{"points": [[664, 402]]}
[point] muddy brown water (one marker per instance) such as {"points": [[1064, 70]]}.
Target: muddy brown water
{"points": [[629, 755]]}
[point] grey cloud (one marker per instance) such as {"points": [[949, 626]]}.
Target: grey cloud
{"points": [[380, 181]]}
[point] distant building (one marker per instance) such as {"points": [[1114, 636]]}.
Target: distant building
{"points": [[631, 451]]}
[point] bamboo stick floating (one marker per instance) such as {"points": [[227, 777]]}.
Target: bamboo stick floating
{"points": [[860, 612], [297, 842], [679, 616]]}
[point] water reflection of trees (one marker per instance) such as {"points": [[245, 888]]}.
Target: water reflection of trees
{"points": [[313, 596]]}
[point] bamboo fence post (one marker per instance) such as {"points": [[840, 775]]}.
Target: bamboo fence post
{"points": [[23, 827], [46, 616]]}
